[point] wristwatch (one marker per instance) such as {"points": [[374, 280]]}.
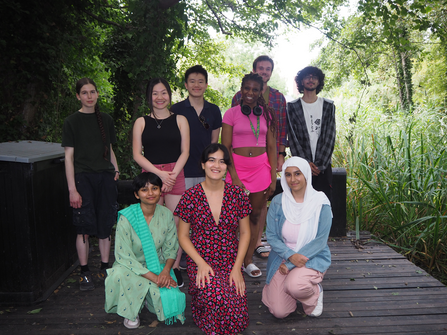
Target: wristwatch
{"points": [[282, 153]]}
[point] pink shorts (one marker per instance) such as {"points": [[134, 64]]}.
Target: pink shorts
{"points": [[254, 172], [179, 186]]}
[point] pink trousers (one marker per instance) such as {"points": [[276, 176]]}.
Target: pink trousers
{"points": [[300, 284]]}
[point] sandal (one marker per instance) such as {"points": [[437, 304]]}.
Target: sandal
{"points": [[251, 268], [262, 250]]}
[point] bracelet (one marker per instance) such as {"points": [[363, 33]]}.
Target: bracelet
{"points": [[117, 172], [282, 153]]}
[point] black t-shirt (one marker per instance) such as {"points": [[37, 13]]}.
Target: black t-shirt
{"points": [[81, 132]]}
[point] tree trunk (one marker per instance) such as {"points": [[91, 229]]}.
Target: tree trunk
{"points": [[398, 68], [408, 85]]}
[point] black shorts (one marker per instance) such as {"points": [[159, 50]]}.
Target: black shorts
{"points": [[99, 194]]}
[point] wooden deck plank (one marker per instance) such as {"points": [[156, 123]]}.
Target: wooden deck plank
{"points": [[367, 291]]}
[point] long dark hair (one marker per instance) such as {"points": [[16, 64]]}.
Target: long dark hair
{"points": [[85, 81], [150, 89], [269, 113]]}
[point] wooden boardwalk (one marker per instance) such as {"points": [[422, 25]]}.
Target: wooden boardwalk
{"points": [[373, 290]]}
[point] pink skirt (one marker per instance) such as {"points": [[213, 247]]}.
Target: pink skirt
{"points": [[179, 186], [254, 172]]}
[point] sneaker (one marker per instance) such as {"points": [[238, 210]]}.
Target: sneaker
{"points": [[178, 276], [132, 324], [183, 265], [319, 309], [102, 274], [86, 282]]}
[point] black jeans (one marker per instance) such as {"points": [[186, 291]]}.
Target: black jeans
{"points": [[323, 182]]}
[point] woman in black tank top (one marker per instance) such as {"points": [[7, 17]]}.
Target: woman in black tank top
{"points": [[161, 145]]}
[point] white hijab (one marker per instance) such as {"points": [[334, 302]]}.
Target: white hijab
{"points": [[307, 213]]}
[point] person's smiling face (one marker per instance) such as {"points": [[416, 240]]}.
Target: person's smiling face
{"points": [[295, 179], [215, 167], [264, 69], [196, 85], [250, 92], [160, 97], [149, 194]]}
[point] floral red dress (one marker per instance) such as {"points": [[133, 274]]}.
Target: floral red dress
{"points": [[216, 309]]}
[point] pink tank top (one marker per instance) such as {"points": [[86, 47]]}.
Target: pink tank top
{"points": [[242, 131], [290, 234]]}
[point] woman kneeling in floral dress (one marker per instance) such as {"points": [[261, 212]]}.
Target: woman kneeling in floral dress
{"points": [[210, 214]]}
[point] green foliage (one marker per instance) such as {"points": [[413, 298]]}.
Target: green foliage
{"points": [[382, 43], [145, 46], [258, 20], [397, 186], [42, 45], [240, 56]]}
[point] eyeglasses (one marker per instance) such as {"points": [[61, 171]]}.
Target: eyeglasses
{"points": [[204, 124], [310, 76]]}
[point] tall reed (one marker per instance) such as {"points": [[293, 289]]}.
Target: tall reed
{"points": [[397, 180]]}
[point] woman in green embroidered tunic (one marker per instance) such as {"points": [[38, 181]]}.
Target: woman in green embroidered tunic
{"points": [[145, 249]]}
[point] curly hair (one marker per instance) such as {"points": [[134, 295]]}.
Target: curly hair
{"points": [[269, 113], [307, 71], [85, 81]]}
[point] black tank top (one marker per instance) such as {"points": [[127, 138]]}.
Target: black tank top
{"points": [[161, 145]]}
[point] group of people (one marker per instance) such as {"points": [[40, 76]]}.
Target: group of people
{"points": [[208, 200]]}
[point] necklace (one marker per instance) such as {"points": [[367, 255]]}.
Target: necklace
{"points": [[255, 132], [156, 120]]}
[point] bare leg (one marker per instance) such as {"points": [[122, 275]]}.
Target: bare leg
{"points": [[171, 201], [82, 249], [104, 249], [257, 201]]}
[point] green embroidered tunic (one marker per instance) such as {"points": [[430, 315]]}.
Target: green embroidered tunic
{"points": [[126, 290]]}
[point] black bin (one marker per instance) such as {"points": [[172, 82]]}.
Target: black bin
{"points": [[36, 235]]}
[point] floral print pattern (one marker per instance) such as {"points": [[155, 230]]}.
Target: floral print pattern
{"points": [[216, 309]]}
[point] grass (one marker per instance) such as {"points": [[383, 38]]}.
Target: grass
{"points": [[397, 187]]}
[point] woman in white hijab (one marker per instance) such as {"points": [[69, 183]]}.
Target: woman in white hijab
{"points": [[298, 225]]}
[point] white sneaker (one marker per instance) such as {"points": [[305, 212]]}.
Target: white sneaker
{"points": [[319, 309], [132, 324]]}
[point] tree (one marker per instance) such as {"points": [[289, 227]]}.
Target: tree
{"points": [[41, 45], [379, 45], [45, 47]]}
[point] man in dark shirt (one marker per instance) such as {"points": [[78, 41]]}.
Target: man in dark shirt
{"points": [[205, 121]]}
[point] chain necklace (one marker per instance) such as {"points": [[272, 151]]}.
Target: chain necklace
{"points": [[156, 120], [255, 132]]}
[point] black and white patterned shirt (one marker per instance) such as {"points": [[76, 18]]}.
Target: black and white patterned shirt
{"points": [[298, 135]]}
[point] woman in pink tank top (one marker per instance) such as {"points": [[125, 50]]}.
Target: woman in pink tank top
{"points": [[249, 133]]}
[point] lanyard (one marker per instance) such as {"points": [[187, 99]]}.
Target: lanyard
{"points": [[255, 132]]}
